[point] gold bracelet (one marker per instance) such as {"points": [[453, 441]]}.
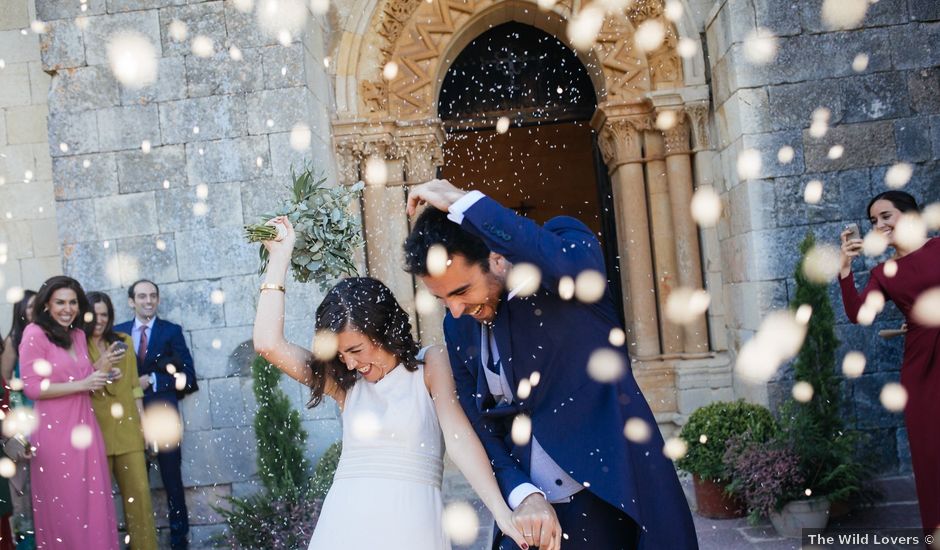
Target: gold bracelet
{"points": [[271, 286]]}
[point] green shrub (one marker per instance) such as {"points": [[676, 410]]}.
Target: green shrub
{"points": [[718, 422], [325, 470], [270, 522]]}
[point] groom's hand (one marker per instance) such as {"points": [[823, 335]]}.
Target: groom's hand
{"points": [[438, 193], [538, 522]]}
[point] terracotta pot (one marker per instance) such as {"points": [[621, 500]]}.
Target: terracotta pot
{"points": [[801, 514], [713, 502]]}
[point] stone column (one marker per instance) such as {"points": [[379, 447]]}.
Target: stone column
{"points": [[688, 252], [619, 139], [422, 152], [663, 240]]}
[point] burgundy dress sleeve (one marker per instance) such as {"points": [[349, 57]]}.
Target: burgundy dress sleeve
{"points": [[852, 301]]}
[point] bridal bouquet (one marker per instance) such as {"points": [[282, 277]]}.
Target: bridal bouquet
{"points": [[327, 234]]}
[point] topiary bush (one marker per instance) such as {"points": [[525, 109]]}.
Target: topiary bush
{"points": [[708, 430], [325, 470]]}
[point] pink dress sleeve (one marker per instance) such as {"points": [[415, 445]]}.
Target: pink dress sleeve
{"points": [[33, 347], [852, 301]]}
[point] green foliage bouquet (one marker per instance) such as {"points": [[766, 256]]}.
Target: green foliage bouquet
{"points": [[327, 234]]}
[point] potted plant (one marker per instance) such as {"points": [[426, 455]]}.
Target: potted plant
{"points": [[706, 435]]}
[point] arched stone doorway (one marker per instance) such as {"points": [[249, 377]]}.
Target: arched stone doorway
{"points": [[652, 172]]}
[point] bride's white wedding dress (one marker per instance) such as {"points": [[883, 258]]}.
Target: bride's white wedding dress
{"points": [[387, 489]]}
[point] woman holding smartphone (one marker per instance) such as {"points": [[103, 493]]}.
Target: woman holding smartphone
{"points": [[914, 271], [119, 408]]}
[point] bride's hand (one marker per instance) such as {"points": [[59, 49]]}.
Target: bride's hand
{"points": [[506, 525], [283, 245]]}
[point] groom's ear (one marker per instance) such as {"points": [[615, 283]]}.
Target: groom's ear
{"points": [[499, 265]]}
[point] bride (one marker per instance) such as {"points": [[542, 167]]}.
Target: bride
{"points": [[397, 413]]}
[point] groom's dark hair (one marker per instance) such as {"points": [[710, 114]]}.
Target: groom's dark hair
{"points": [[433, 227]]}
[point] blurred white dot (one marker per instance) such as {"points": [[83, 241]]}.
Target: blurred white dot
{"points": [[178, 30], [259, 162], [162, 425], [160, 244], [244, 6], [325, 345], [637, 430], [117, 410], [931, 216], [326, 62], [14, 294], [200, 208], [649, 35], [195, 129], [891, 268], [217, 296], [617, 337], [875, 243], [202, 191], [749, 164], [300, 137], [606, 365], [673, 10], [437, 260], [853, 364], [803, 314], [589, 286], [785, 154], [860, 63], [376, 172], [844, 14], [666, 120], [7, 467], [566, 288], [269, 123], [687, 47], [42, 367], [535, 377], [926, 309], [132, 59], [425, 302], [546, 5], [319, 7], [179, 381], [910, 231], [524, 279], [836, 152], [235, 53], [703, 439], [822, 263], [706, 206], [203, 46], [81, 436], [813, 192], [366, 425], [145, 146], [216, 343], [166, 184], [38, 27], [893, 397], [524, 389], [675, 448], [460, 523], [760, 46], [898, 175], [584, 25], [390, 70], [521, 430], [86, 163], [686, 305], [502, 125], [64, 147], [803, 391], [820, 124]]}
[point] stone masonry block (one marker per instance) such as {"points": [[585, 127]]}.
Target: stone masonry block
{"points": [[844, 193], [219, 456], [752, 206], [912, 136], [871, 413], [79, 131], [881, 13], [15, 15], [875, 97], [206, 19], [177, 208], [75, 221], [118, 6], [148, 257], [215, 117], [745, 112], [214, 253], [228, 160], [922, 86], [14, 85], [215, 362], [122, 128], [170, 84], [126, 215], [283, 108], [284, 158], [768, 145], [244, 29], [866, 144], [101, 29], [226, 404], [935, 136], [924, 184], [82, 89], [39, 82], [792, 105], [263, 196], [84, 176], [782, 17], [283, 66], [241, 294], [924, 10], [220, 74], [3, 128], [18, 47], [28, 125], [47, 10], [88, 262], [916, 46], [45, 237], [194, 410], [139, 171], [62, 45], [188, 302]]}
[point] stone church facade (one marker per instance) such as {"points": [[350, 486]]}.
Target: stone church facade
{"points": [[80, 196]]}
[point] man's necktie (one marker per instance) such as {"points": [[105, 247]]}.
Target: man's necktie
{"points": [[142, 348]]}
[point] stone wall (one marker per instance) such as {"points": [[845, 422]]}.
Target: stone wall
{"points": [[219, 156], [881, 115], [27, 207]]}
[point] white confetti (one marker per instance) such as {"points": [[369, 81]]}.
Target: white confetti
{"points": [[649, 35], [860, 63], [390, 70], [132, 59], [749, 164], [460, 523], [583, 27], [822, 263], [178, 30], [813, 192], [706, 206], [82, 436], [675, 448], [686, 305], [760, 46], [898, 175], [853, 364], [437, 260], [202, 46], [637, 430], [521, 431], [786, 154], [844, 14], [502, 125], [376, 172], [803, 391], [589, 286], [606, 365], [893, 397], [926, 310]]}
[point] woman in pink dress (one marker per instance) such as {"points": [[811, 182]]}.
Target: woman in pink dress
{"points": [[72, 504], [914, 270]]}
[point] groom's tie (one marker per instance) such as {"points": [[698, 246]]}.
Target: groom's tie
{"points": [[491, 363]]}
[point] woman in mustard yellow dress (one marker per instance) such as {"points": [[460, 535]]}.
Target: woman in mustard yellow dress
{"points": [[118, 408]]}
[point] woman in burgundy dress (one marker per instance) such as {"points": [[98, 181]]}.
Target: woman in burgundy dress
{"points": [[918, 270]]}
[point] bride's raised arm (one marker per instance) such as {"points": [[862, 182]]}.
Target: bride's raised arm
{"points": [[463, 445]]}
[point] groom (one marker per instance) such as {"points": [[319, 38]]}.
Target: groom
{"points": [[577, 469]]}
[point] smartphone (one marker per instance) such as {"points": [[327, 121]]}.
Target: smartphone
{"points": [[120, 347], [854, 232]]}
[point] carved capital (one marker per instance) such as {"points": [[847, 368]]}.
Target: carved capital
{"points": [[677, 137], [698, 117], [422, 155], [619, 141], [348, 157]]}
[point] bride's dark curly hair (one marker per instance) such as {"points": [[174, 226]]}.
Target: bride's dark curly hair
{"points": [[367, 306]]}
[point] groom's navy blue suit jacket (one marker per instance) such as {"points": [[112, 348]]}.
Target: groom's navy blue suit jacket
{"points": [[578, 421]]}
